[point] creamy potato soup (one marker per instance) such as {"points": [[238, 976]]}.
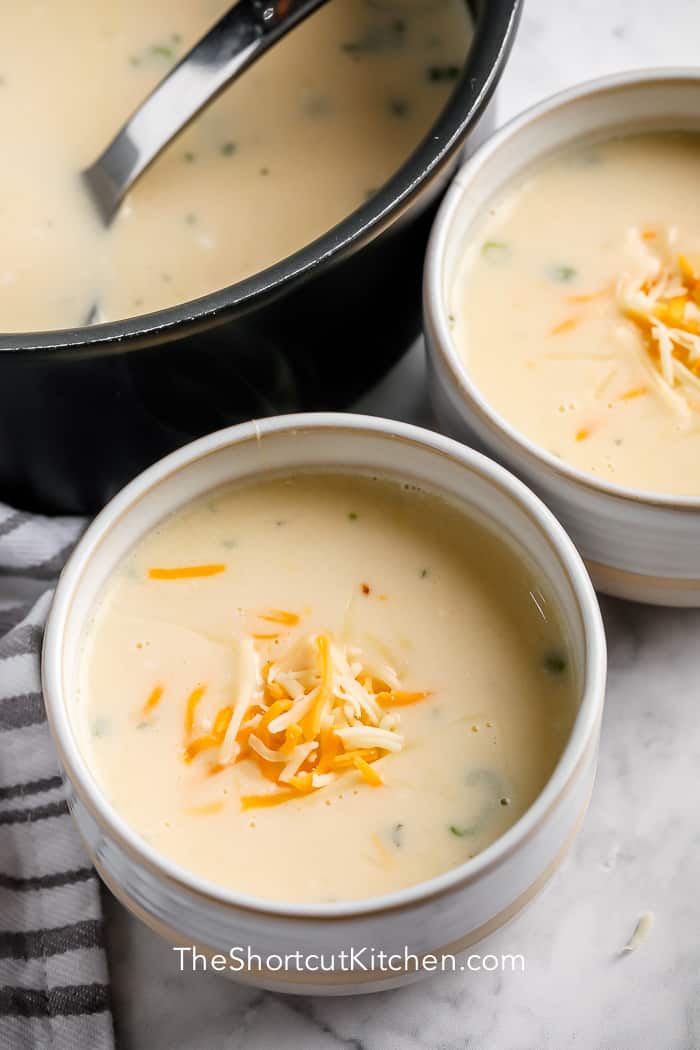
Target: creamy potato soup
{"points": [[323, 688], [300, 141], [577, 309]]}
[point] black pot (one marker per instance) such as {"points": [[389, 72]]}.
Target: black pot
{"points": [[84, 410]]}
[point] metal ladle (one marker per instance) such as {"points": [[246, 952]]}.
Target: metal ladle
{"points": [[237, 40]]}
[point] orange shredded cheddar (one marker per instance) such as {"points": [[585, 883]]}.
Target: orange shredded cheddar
{"points": [[192, 701], [333, 725], [589, 297], [370, 754], [270, 770], [368, 774], [201, 743], [663, 303], [649, 234], [186, 572], [153, 700], [221, 722], [275, 709], [690, 270], [399, 698], [265, 637], [302, 782], [274, 798], [276, 691], [565, 326], [289, 619], [583, 433], [328, 751], [293, 735], [205, 810], [630, 395], [243, 743]]}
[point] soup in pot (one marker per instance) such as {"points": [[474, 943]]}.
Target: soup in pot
{"points": [[297, 143], [323, 687]]}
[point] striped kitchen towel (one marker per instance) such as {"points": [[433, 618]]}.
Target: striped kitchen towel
{"points": [[53, 971]]}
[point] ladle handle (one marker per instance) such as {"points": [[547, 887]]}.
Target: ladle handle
{"points": [[237, 40]]}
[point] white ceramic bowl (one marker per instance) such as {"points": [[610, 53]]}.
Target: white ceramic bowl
{"points": [[637, 545], [446, 913]]}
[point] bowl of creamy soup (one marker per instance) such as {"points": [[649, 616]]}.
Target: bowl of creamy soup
{"points": [[562, 306], [289, 218], [325, 682]]}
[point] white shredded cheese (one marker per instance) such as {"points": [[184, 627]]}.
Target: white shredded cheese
{"points": [[248, 690], [659, 332], [641, 932], [654, 286], [264, 751], [296, 758], [361, 736], [294, 714]]}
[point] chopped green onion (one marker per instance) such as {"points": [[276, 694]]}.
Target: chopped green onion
{"points": [[100, 726], [555, 662], [439, 74], [398, 107], [162, 51], [397, 835], [495, 251], [562, 274]]}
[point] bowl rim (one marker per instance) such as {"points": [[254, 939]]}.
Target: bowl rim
{"points": [[442, 344], [581, 738], [495, 24]]}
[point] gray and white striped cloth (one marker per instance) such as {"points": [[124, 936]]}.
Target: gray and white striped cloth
{"points": [[54, 992]]}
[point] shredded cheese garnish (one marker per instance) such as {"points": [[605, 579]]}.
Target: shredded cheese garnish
{"points": [[289, 619], [317, 712], [641, 932], [661, 296], [589, 297], [630, 395], [186, 572], [368, 774], [206, 810], [192, 701], [153, 700], [565, 326]]}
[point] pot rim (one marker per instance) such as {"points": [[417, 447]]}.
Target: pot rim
{"points": [[571, 760], [442, 345], [495, 24]]}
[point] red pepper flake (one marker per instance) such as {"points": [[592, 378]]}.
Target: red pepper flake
{"points": [[366, 588]]}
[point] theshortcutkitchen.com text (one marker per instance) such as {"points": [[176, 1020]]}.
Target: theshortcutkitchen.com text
{"points": [[362, 960]]}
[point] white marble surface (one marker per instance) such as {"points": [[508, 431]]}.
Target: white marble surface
{"points": [[640, 846]]}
